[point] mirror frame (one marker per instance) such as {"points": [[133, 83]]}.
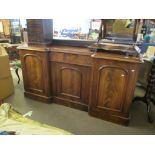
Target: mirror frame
{"points": [[103, 32]]}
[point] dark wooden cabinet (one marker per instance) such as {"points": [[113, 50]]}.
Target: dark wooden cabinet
{"points": [[112, 89], [35, 74], [102, 84]]}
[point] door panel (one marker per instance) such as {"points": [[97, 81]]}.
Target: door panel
{"points": [[35, 68], [111, 87], [71, 82], [34, 76]]}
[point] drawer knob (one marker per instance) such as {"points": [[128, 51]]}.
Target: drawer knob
{"points": [[132, 70], [122, 75]]}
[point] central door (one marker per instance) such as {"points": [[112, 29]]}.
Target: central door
{"points": [[71, 83]]}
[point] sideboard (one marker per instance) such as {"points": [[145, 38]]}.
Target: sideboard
{"points": [[101, 83]]}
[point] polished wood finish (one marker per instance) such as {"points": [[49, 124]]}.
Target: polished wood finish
{"points": [[36, 77], [112, 89], [100, 83], [84, 60], [70, 74], [71, 83]]}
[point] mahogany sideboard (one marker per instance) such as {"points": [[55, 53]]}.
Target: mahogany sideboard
{"points": [[101, 83]]}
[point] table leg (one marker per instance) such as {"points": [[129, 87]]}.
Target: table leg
{"points": [[150, 119], [16, 70]]}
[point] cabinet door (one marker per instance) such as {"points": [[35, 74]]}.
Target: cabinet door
{"points": [[110, 87], [71, 83], [35, 73]]}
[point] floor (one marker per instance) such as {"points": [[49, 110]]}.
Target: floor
{"points": [[79, 122]]}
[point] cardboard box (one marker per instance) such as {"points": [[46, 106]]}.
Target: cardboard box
{"points": [[6, 87], [4, 67], [6, 82]]}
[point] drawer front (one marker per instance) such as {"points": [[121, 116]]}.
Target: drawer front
{"points": [[84, 60]]}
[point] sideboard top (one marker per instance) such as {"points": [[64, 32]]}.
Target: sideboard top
{"points": [[81, 51], [58, 48]]}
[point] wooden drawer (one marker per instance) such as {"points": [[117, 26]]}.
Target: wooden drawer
{"points": [[70, 58]]}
